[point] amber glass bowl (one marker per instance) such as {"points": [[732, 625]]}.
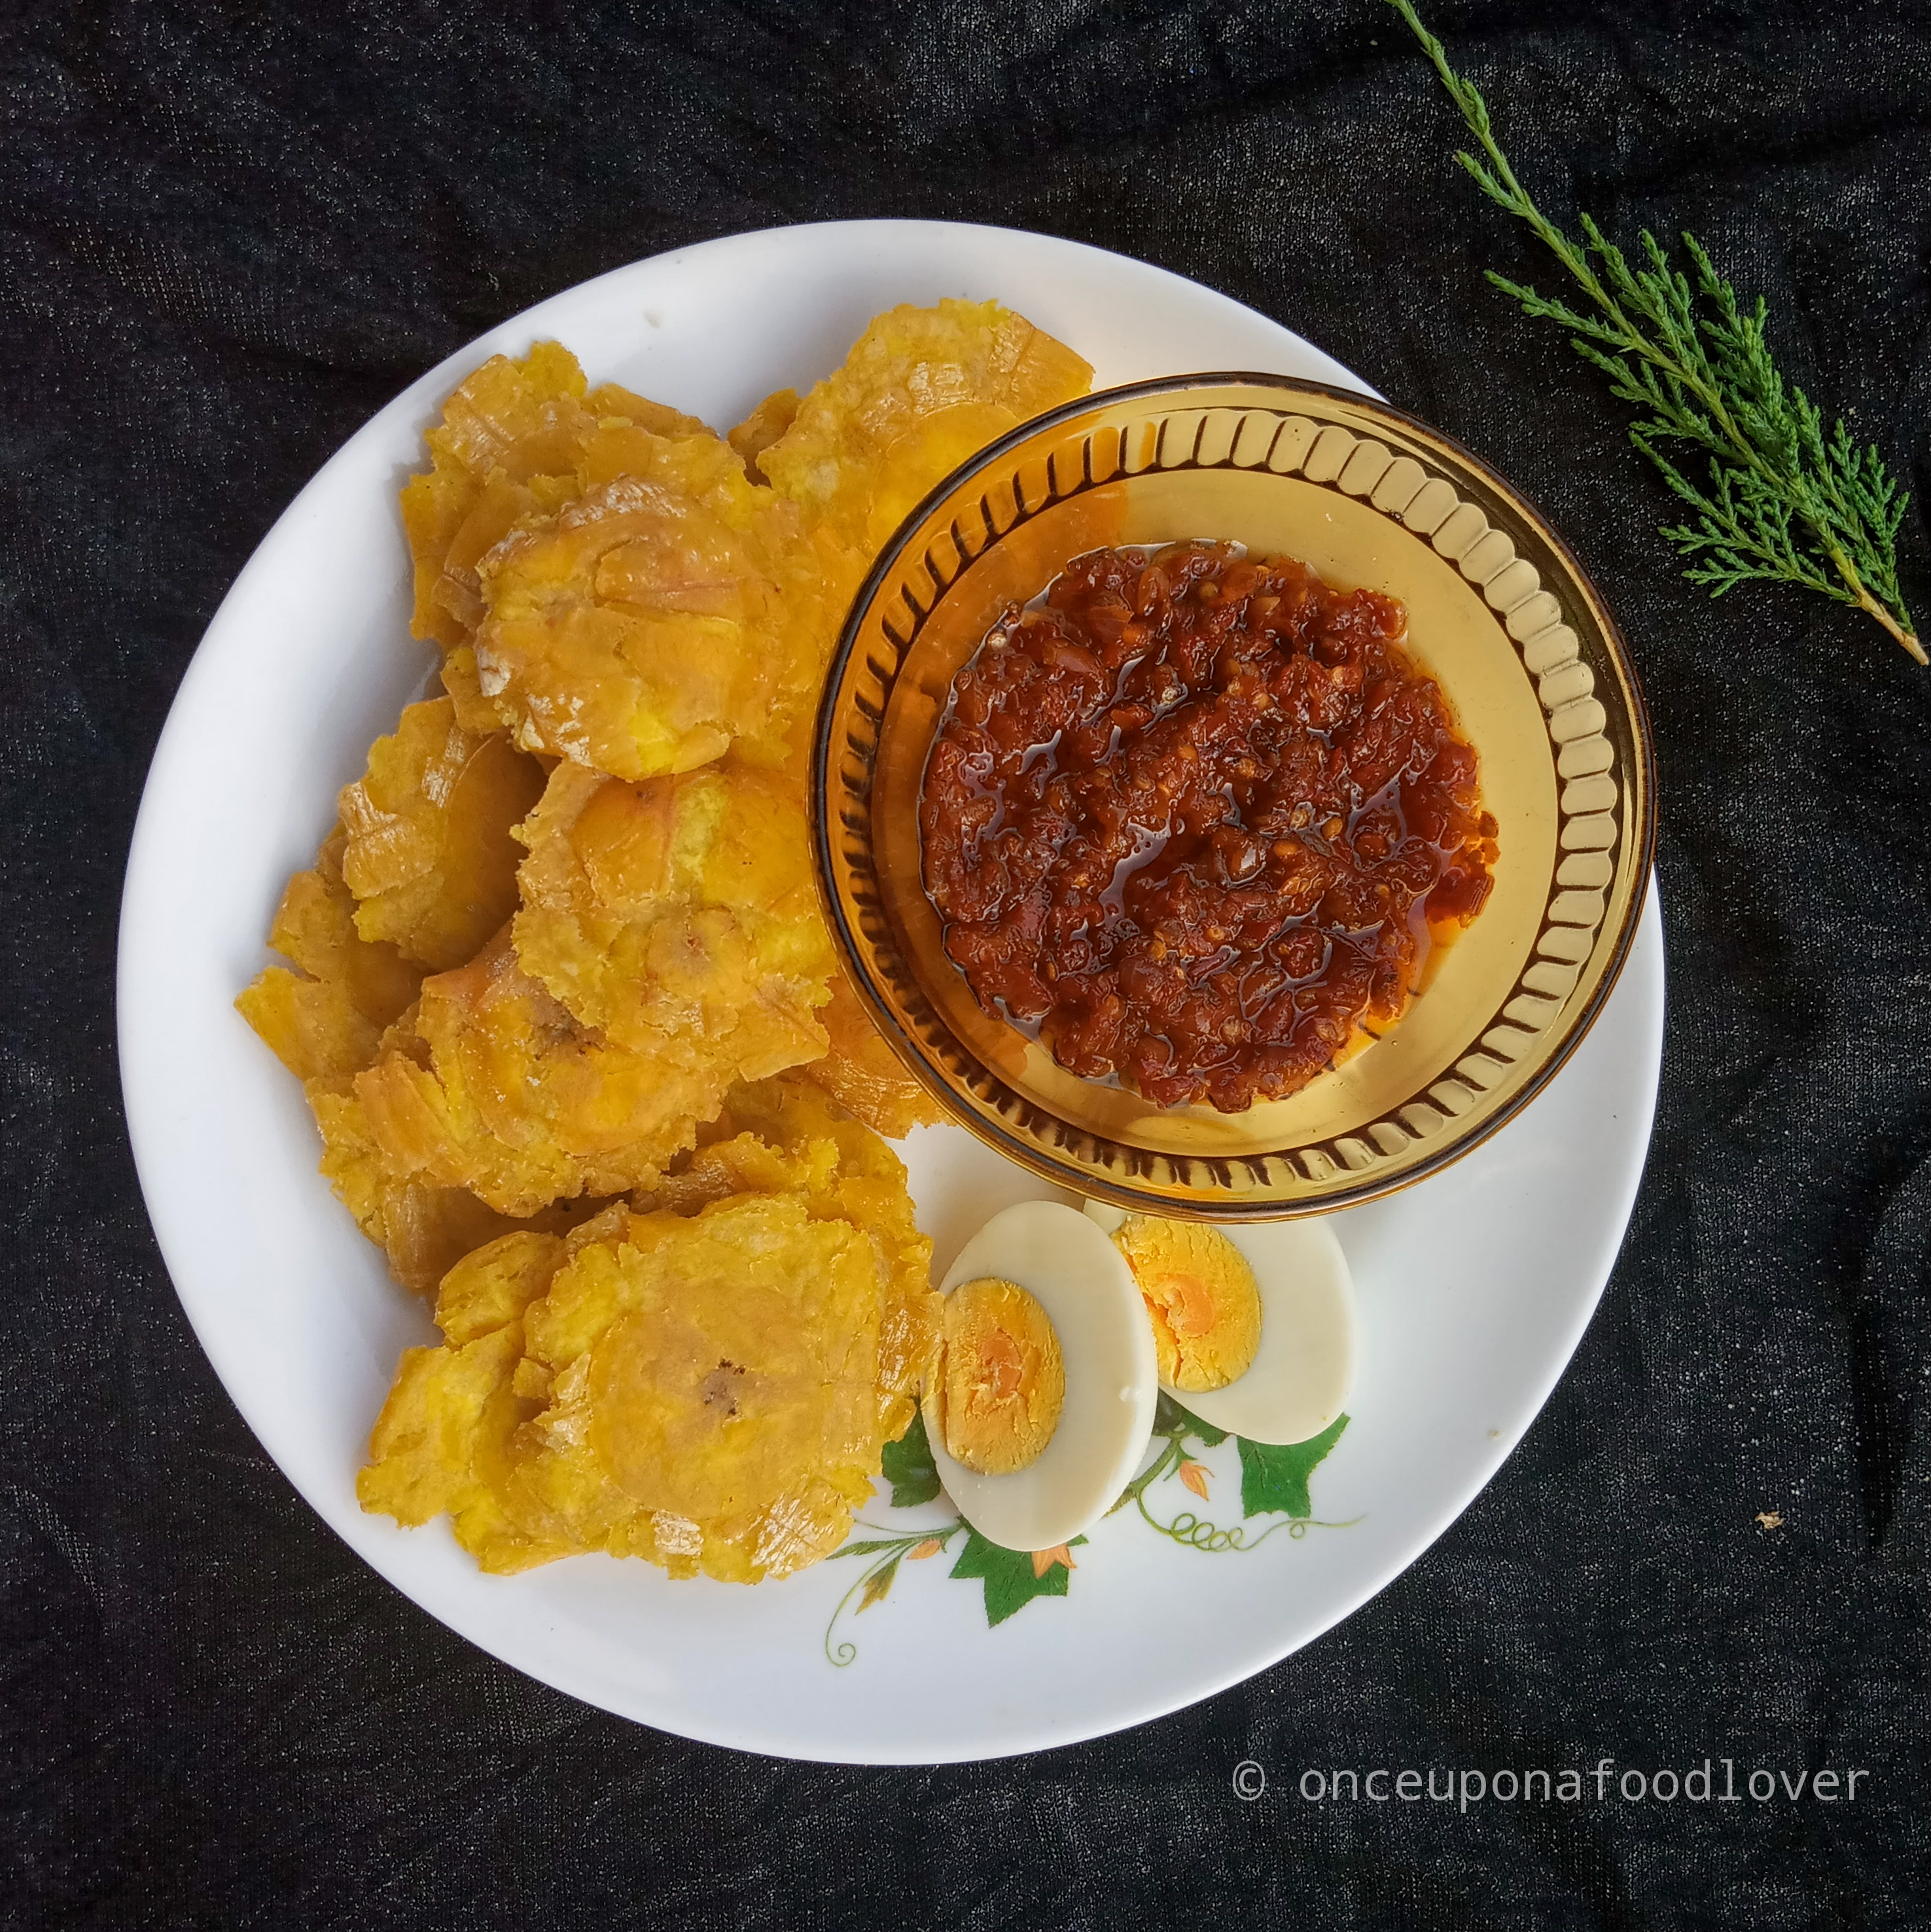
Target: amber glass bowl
{"points": [[1500, 614]]}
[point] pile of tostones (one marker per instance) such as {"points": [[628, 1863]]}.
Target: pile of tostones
{"points": [[559, 989]]}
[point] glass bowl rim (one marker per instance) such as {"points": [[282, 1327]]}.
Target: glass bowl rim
{"points": [[1200, 1205]]}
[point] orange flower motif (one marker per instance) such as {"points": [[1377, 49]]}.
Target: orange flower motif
{"points": [[1043, 1560], [1194, 1475], [920, 1551]]}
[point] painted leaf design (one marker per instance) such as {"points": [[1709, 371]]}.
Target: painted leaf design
{"points": [[876, 1585], [920, 1551], [1011, 1582], [909, 1467], [1170, 1419], [1274, 1477]]}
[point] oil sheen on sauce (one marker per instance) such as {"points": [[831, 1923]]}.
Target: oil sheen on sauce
{"points": [[1193, 819]]}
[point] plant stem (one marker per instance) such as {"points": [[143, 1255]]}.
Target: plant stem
{"points": [[1712, 383]]}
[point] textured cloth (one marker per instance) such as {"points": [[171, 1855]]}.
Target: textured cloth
{"points": [[230, 234]]}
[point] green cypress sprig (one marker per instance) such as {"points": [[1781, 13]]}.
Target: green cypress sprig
{"points": [[1782, 503]]}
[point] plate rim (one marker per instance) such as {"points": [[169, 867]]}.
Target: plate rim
{"points": [[148, 1126]]}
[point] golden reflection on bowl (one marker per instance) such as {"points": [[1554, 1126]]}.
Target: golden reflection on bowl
{"points": [[1500, 614]]}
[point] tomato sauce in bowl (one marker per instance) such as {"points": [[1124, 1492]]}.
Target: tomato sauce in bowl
{"points": [[1195, 819]]}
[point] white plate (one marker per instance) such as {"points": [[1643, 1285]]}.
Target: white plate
{"points": [[1473, 1287]]}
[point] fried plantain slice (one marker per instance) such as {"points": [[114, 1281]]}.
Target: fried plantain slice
{"points": [[505, 449], [504, 423], [787, 1118], [702, 1390], [442, 1443], [429, 855], [497, 1089], [922, 391], [713, 1401], [423, 1230], [669, 612], [351, 1001], [762, 428], [324, 1020], [678, 916], [704, 1379], [862, 1073]]}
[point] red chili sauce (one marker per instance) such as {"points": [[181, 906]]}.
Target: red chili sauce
{"points": [[1191, 814]]}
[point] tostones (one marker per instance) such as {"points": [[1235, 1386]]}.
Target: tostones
{"points": [[707, 1383], [324, 1020], [678, 916], [429, 855], [922, 390], [627, 1126], [866, 1184], [669, 611], [862, 1073], [505, 449], [712, 1389], [442, 1444], [495, 1087], [762, 428], [423, 1228]]}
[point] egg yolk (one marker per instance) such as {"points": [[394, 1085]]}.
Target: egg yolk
{"points": [[1002, 1379], [1201, 1297]]}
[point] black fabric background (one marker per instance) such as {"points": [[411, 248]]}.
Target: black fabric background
{"points": [[230, 234]]}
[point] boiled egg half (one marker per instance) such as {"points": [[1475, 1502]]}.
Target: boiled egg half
{"points": [[1253, 1325], [1041, 1407]]}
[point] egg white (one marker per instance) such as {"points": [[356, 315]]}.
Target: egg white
{"points": [[1083, 1283], [1299, 1380]]}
